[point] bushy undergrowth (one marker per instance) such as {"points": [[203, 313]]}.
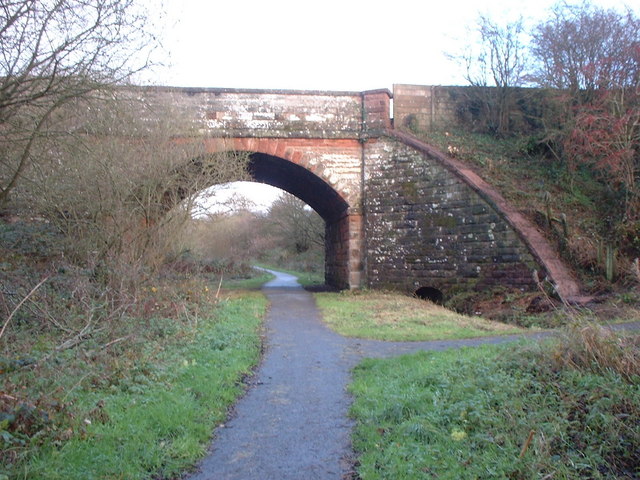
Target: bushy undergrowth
{"points": [[214, 269], [146, 412], [99, 382], [567, 409], [511, 306]]}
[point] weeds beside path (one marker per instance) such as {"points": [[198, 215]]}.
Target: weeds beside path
{"points": [[152, 415], [567, 409], [150, 418]]}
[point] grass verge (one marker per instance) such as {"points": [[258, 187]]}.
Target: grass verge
{"points": [[306, 279], [397, 317], [150, 416], [568, 409], [253, 282]]}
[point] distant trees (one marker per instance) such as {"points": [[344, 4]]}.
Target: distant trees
{"points": [[229, 238], [55, 52], [289, 235], [577, 52], [583, 48], [298, 226]]}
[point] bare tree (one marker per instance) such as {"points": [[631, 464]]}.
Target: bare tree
{"points": [[589, 58], [54, 52], [298, 226], [494, 66], [118, 186], [582, 48], [221, 199]]}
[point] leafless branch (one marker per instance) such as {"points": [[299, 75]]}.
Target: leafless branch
{"points": [[17, 307]]}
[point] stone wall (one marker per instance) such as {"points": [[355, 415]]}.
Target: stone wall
{"points": [[427, 228], [423, 108], [275, 113], [426, 107], [343, 252]]}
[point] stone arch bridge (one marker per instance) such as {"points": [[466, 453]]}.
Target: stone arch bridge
{"points": [[399, 214]]}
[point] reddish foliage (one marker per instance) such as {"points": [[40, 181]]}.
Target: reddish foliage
{"points": [[606, 135]]}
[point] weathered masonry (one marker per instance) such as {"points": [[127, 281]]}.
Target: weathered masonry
{"points": [[399, 214]]}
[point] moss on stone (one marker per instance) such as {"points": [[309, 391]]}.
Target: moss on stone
{"points": [[431, 220], [410, 192]]}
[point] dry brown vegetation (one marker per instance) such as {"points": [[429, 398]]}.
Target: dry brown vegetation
{"points": [[394, 316], [88, 249], [591, 347]]}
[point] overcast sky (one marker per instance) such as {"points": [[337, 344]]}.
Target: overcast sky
{"points": [[348, 45]]}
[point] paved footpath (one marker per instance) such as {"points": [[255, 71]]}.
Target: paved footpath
{"points": [[293, 423]]}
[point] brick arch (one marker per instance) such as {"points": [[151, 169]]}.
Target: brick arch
{"points": [[302, 167], [299, 181]]}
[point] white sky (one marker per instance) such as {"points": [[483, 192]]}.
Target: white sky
{"points": [[256, 197], [350, 45]]}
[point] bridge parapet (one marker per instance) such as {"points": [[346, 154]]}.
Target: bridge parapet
{"points": [[235, 113], [376, 112]]}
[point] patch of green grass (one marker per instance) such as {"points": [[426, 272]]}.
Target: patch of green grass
{"points": [[306, 279], [392, 316], [495, 412], [309, 279], [254, 282], [153, 418]]}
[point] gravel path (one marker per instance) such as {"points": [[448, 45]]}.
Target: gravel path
{"points": [[292, 423]]}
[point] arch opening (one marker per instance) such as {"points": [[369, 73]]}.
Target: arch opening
{"points": [[430, 293], [236, 195], [340, 268], [325, 200], [299, 182]]}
